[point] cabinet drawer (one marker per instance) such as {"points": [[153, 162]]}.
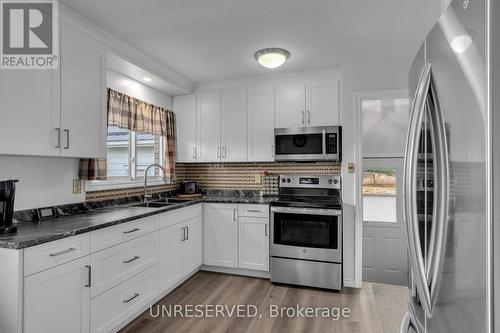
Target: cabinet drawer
{"points": [[44, 256], [104, 238], [109, 310], [179, 215], [253, 210], [116, 264]]}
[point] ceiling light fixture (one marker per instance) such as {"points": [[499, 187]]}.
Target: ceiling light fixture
{"points": [[461, 43], [272, 57], [147, 79]]}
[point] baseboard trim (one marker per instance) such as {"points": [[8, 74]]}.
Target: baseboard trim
{"points": [[236, 271], [352, 284]]}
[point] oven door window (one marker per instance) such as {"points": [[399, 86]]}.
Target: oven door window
{"points": [[304, 230], [299, 144]]}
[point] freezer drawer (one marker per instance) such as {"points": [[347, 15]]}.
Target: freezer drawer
{"points": [[306, 273]]}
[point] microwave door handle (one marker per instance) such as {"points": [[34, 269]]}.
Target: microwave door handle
{"points": [[323, 143]]}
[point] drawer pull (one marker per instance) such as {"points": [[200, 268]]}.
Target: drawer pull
{"points": [[131, 298], [89, 284], [130, 260], [131, 231], [71, 249], [254, 211]]}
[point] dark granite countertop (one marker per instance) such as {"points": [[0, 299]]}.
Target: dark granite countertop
{"points": [[81, 218]]}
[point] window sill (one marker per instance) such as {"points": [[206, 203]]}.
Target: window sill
{"points": [[113, 184]]}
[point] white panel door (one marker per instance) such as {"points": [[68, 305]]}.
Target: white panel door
{"points": [[185, 120], [234, 125], [290, 105], [83, 95], [208, 111], [221, 235], [170, 256], [322, 99], [57, 300], [260, 108], [30, 113], [191, 251], [254, 243]]}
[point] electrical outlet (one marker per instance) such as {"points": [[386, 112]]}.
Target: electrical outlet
{"points": [[77, 186], [351, 167], [258, 178]]}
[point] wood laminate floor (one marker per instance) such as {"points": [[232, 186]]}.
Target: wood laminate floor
{"points": [[206, 288]]}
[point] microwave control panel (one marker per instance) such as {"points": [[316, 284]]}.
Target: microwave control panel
{"points": [[331, 143]]}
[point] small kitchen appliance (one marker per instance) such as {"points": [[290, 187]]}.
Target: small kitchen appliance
{"points": [[7, 196], [188, 188]]}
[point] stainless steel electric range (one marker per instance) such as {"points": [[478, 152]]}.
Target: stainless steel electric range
{"points": [[306, 232]]}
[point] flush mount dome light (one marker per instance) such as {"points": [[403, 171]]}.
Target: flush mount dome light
{"points": [[272, 57], [461, 43]]}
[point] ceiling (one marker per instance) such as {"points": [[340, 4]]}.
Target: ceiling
{"points": [[216, 39]]}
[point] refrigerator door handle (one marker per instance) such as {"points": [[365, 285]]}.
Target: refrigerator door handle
{"points": [[409, 184], [441, 195]]}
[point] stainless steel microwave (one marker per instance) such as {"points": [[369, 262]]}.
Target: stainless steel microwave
{"points": [[319, 143]]}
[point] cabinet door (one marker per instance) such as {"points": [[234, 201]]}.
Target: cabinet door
{"points": [[322, 102], [260, 107], [208, 111], [234, 125], [185, 120], [29, 113], [290, 105], [57, 300], [191, 252], [221, 235], [254, 243], [83, 95], [170, 256]]}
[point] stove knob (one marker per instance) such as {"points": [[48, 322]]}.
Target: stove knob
{"points": [[336, 181], [329, 181], [288, 180], [283, 180]]}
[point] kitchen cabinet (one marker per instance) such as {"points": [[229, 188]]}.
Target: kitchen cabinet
{"points": [[314, 102], [208, 115], [254, 243], [191, 247], [186, 124], [233, 125], [170, 256], [64, 113], [221, 235], [57, 300], [260, 108]]}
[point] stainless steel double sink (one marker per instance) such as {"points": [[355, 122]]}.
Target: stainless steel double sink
{"points": [[165, 202]]}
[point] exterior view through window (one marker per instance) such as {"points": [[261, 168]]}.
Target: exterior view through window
{"points": [[379, 195]]}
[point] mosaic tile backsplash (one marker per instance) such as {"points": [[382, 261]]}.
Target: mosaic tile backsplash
{"points": [[238, 176]]}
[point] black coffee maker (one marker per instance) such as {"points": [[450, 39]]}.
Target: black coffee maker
{"points": [[7, 196]]}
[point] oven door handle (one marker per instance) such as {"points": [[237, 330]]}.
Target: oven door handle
{"points": [[306, 211]]}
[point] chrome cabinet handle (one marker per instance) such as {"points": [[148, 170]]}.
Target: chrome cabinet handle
{"points": [[58, 137], [409, 186], [309, 117], [131, 231], [131, 298], [218, 152], [234, 214], [223, 152], [184, 234], [56, 254], [89, 276], [303, 117], [130, 260], [194, 152], [187, 233], [67, 138], [254, 211], [265, 229]]}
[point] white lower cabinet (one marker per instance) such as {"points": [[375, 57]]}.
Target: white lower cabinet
{"points": [[237, 236], [191, 248], [254, 243], [110, 310], [221, 235], [57, 300]]}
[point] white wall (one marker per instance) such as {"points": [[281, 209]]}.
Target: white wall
{"points": [[43, 181], [359, 77], [126, 85]]}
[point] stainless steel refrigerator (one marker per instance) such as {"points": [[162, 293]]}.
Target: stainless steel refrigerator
{"points": [[449, 171]]}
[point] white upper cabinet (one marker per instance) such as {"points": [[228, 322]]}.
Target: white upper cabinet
{"points": [[83, 95], [208, 115], [290, 105], [233, 125], [29, 112], [185, 120], [322, 102], [260, 107], [313, 102]]}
